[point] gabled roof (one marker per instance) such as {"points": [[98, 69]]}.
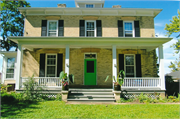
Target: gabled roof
{"points": [[89, 11]]}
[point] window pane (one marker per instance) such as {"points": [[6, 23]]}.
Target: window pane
{"points": [[52, 34], [129, 59], [90, 56], [9, 75], [51, 71], [89, 6], [51, 56], [10, 62], [90, 66], [128, 35], [128, 26], [129, 70], [10, 71], [52, 25], [90, 33], [90, 25]]}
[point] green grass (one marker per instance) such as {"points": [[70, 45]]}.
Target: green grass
{"points": [[58, 109]]}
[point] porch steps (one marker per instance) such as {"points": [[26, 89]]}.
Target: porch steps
{"points": [[90, 95]]}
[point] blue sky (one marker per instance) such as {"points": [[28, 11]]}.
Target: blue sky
{"points": [[169, 10]]}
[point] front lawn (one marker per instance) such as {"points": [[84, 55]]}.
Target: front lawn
{"points": [[58, 109]]}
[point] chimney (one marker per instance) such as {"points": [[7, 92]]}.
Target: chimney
{"points": [[61, 5], [116, 6]]}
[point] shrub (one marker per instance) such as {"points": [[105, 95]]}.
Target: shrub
{"points": [[32, 91], [58, 97]]}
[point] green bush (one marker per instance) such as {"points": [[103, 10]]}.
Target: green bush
{"points": [[32, 91], [58, 97]]}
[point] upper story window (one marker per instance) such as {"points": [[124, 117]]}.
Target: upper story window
{"points": [[90, 27], [129, 65], [10, 68], [89, 5], [128, 29], [52, 28]]}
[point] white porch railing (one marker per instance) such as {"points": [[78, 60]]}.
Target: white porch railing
{"points": [[45, 81], [144, 82]]}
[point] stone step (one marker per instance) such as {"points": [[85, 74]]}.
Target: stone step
{"points": [[91, 100], [90, 90], [90, 93], [100, 96]]}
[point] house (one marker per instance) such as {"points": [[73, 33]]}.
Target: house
{"points": [[90, 42]]}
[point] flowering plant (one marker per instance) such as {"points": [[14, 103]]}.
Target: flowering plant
{"points": [[64, 78]]}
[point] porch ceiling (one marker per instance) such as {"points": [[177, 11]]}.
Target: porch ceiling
{"points": [[90, 42]]}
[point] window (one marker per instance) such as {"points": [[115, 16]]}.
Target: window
{"points": [[52, 28], [90, 27], [10, 68], [51, 61], [128, 29], [89, 5], [129, 66]]}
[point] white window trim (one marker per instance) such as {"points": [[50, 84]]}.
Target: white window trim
{"points": [[128, 65], [6, 59], [89, 4], [48, 27], [46, 64], [86, 27], [133, 33]]}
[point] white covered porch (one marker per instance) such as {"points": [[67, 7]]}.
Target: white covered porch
{"points": [[68, 42]]}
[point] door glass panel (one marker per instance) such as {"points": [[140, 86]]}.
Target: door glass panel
{"points": [[93, 56], [90, 66]]}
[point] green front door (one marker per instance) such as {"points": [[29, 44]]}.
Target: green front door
{"points": [[89, 71]]}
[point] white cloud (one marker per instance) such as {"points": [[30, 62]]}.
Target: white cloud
{"points": [[168, 44], [159, 25]]}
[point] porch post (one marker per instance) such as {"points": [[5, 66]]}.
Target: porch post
{"points": [[19, 66], [67, 60], [114, 62], [161, 67]]}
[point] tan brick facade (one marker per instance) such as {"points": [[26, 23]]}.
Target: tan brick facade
{"points": [[148, 61], [31, 61], [71, 25], [76, 67]]}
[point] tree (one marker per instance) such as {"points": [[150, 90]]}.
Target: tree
{"points": [[174, 28], [12, 22]]}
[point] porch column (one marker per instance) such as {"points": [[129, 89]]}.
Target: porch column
{"points": [[161, 67], [67, 60], [19, 66], [114, 63]]}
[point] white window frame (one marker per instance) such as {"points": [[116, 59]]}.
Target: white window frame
{"points": [[130, 65], [94, 27], [50, 65], [133, 34], [10, 68], [89, 4], [48, 27]]}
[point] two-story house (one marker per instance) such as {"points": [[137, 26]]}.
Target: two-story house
{"points": [[90, 42]]}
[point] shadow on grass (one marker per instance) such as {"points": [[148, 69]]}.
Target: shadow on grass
{"points": [[12, 108]]}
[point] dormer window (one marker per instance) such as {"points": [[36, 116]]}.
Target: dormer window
{"points": [[89, 5], [128, 29], [52, 28]]}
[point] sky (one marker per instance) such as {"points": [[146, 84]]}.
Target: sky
{"points": [[169, 7]]}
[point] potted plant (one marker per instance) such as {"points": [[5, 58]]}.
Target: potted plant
{"points": [[119, 81], [65, 80]]}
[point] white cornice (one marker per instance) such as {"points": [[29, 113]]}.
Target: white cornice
{"points": [[90, 11]]}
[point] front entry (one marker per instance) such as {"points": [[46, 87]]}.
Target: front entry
{"points": [[89, 71]]}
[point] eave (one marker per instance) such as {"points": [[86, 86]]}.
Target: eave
{"points": [[9, 53], [89, 11], [87, 42]]}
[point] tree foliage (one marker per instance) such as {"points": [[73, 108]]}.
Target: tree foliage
{"points": [[174, 28], [12, 22]]}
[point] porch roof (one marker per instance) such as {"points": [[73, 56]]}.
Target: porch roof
{"points": [[148, 43]]}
